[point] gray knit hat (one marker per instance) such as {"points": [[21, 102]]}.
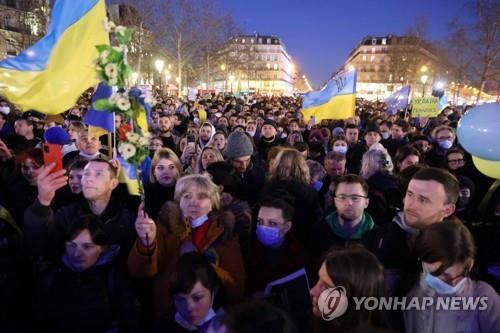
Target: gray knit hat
{"points": [[238, 145]]}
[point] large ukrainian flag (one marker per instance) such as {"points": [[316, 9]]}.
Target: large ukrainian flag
{"points": [[337, 99], [50, 75]]}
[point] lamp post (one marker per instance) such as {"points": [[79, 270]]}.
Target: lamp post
{"points": [[159, 64], [167, 78], [423, 79], [223, 69], [231, 79]]}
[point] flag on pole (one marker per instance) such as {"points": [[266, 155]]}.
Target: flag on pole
{"points": [[50, 75], [100, 122], [336, 100], [398, 100]]}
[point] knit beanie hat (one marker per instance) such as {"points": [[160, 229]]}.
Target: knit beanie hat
{"points": [[270, 122], [238, 145]]}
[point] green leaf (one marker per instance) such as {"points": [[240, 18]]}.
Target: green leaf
{"points": [[102, 104], [103, 47]]}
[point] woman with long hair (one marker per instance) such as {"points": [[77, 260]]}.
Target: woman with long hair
{"points": [[289, 179], [357, 273], [166, 168]]}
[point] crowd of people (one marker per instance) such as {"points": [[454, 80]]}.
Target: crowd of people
{"points": [[240, 192]]}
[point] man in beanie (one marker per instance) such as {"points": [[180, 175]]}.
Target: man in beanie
{"points": [[239, 153], [268, 138]]}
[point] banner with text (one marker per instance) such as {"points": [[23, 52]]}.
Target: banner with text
{"points": [[425, 107]]}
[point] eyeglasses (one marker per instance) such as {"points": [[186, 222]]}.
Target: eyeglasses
{"points": [[354, 198], [460, 160]]}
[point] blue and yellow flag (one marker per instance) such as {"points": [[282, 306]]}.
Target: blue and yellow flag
{"points": [[51, 75], [337, 99]]}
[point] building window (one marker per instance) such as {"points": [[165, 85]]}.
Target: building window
{"points": [[243, 41], [251, 40], [260, 40], [374, 41], [269, 41], [384, 41], [390, 77], [364, 58], [373, 50], [275, 66], [372, 58]]}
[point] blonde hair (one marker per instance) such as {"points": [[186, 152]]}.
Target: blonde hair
{"points": [[289, 165], [203, 183], [164, 153], [218, 155], [375, 160]]}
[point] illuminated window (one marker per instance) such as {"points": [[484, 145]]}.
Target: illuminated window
{"points": [[384, 41], [364, 58], [275, 66], [373, 50], [372, 58]]}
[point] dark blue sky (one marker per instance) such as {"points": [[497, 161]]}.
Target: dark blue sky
{"points": [[320, 34]]}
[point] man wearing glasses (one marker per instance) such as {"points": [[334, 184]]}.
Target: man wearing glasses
{"points": [[349, 222]]}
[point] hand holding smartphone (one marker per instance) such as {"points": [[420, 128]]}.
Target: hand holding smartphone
{"points": [[52, 154]]}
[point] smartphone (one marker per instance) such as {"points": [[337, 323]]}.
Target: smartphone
{"points": [[52, 154], [191, 140]]}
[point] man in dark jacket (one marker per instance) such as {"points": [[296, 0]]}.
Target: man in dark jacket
{"points": [[44, 229], [239, 153], [430, 198]]}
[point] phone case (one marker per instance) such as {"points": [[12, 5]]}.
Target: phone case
{"points": [[52, 154]]}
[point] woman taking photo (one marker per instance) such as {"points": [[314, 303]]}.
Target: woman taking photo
{"points": [[190, 224]]}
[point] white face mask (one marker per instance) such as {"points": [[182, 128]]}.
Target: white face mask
{"points": [[252, 133], [340, 149], [5, 109]]}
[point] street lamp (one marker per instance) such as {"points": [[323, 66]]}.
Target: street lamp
{"points": [[167, 78], [231, 79], [159, 64], [134, 77], [423, 78]]}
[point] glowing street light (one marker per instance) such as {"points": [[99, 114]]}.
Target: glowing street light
{"points": [[159, 64], [423, 79], [134, 76], [231, 79], [423, 69]]}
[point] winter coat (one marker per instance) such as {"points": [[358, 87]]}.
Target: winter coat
{"points": [[436, 320], [156, 196], [44, 229], [264, 265], [94, 300], [220, 245]]}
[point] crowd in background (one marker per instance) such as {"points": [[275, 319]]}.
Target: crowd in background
{"points": [[240, 192]]}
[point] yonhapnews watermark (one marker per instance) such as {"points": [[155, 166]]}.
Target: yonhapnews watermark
{"points": [[333, 303]]}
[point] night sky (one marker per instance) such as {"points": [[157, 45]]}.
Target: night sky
{"points": [[320, 34]]}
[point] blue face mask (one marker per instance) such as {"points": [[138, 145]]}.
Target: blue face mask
{"points": [[442, 287], [269, 236], [385, 135], [340, 149], [446, 144], [317, 185]]}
